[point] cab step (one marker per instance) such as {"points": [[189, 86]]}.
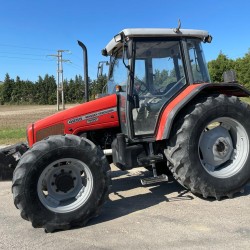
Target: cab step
{"points": [[154, 179], [147, 160]]}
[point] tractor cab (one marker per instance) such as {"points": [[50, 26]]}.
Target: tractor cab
{"points": [[150, 67]]}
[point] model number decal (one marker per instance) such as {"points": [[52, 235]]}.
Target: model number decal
{"points": [[91, 117], [95, 119]]}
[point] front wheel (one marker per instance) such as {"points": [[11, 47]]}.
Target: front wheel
{"points": [[210, 146], [61, 182]]}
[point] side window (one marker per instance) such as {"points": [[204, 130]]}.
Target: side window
{"points": [[197, 61], [165, 74], [140, 77]]}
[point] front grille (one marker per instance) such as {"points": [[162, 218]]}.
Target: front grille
{"points": [[57, 129]]}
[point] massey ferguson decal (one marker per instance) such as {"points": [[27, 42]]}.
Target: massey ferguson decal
{"points": [[91, 117]]}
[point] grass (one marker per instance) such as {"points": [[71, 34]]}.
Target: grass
{"points": [[12, 136], [14, 120], [246, 99]]}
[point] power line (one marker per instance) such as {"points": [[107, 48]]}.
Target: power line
{"points": [[24, 54], [24, 47], [26, 58], [73, 65]]}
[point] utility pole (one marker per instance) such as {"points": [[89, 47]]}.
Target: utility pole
{"points": [[60, 77]]}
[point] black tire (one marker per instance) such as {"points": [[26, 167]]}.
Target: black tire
{"points": [[189, 155], [68, 154]]}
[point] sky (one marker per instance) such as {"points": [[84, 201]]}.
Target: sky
{"points": [[31, 30]]}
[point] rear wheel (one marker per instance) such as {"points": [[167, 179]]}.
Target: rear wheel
{"points": [[209, 148], [61, 182]]}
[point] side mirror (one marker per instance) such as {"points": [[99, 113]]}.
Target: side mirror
{"points": [[126, 54], [100, 68]]}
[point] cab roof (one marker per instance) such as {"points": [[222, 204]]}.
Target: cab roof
{"points": [[153, 32]]}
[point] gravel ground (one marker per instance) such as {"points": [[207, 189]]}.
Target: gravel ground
{"points": [[162, 216]]}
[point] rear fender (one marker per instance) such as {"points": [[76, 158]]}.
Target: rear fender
{"points": [[183, 99]]}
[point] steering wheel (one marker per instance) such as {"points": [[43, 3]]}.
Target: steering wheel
{"points": [[172, 84], [166, 90]]}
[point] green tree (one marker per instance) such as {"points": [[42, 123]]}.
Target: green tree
{"points": [[50, 89], [242, 67], [16, 95], [79, 88], [7, 89], [46, 90], [97, 86], [70, 93], [160, 77], [1, 93], [27, 92], [218, 66]]}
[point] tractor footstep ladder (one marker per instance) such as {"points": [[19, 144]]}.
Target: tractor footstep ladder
{"points": [[152, 159]]}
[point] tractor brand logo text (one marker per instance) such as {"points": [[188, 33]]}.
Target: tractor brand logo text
{"points": [[91, 117]]}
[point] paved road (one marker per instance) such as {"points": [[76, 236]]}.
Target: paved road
{"points": [[154, 217]]}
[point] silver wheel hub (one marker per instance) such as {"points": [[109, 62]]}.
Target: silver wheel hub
{"points": [[216, 146], [223, 147], [65, 185]]}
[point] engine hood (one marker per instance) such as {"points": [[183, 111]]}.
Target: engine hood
{"points": [[96, 114]]}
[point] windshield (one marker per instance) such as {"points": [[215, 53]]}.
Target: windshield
{"points": [[158, 66]]}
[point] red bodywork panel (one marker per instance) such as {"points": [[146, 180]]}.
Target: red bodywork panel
{"points": [[98, 114]]}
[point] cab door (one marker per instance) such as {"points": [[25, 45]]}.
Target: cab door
{"points": [[158, 76]]}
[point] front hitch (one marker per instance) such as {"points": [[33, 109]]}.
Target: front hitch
{"points": [[9, 157]]}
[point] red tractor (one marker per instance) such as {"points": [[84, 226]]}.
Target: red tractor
{"points": [[160, 110]]}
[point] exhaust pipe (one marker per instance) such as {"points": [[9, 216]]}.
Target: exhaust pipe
{"points": [[85, 69]]}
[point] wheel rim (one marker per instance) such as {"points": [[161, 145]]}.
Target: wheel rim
{"points": [[65, 185], [223, 147]]}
